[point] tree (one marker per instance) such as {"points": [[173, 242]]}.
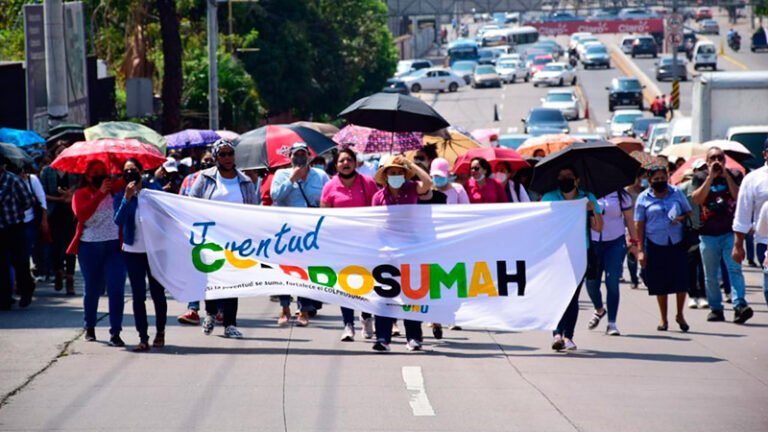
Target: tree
{"points": [[172, 71]]}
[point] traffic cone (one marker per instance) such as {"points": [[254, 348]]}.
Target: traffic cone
{"points": [[495, 113], [722, 47], [586, 110]]}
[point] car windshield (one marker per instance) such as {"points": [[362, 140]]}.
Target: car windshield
{"points": [[546, 115], [644, 41], [628, 85], [542, 61], [403, 67], [553, 68], [507, 65], [463, 67], [668, 61], [418, 73], [559, 97], [626, 118], [483, 70], [596, 50]]}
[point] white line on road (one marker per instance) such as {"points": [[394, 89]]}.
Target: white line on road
{"points": [[503, 95], [414, 382], [501, 107]]}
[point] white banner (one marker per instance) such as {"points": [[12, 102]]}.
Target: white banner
{"points": [[511, 266]]}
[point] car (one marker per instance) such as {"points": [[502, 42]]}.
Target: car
{"points": [[530, 56], [510, 70], [702, 13], [625, 91], [657, 138], [626, 44], [464, 69], [405, 67], [596, 56], [512, 141], [565, 100], [555, 74], [558, 49], [487, 56], [709, 26], [666, 70], [547, 50], [621, 122], [589, 137], [539, 62], [645, 45], [641, 125], [542, 121], [576, 37], [583, 42], [635, 13], [486, 28], [395, 85], [433, 79], [511, 56], [704, 55], [485, 76]]}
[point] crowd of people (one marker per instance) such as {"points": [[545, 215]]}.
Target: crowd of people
{"points": [[687, 240]]}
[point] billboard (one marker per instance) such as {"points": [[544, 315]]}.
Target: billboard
{"points": [[34, 51], [77, 78], [558, 28]]}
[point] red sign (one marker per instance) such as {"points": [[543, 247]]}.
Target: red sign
{"points": [[651, 25]]}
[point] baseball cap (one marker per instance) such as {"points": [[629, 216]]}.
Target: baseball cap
{"points": [[439, 167], [171, 165], [299, 146], [698, 163]]}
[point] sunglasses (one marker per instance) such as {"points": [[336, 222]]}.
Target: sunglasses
{"points": [[475, 168], [227, 154], [720, 158]]}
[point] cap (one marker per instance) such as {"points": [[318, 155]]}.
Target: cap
{"points": [[171, 165], [439, 167], [299, 146], [698, 163]]}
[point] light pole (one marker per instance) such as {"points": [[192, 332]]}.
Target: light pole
{"points": [[213, 66]]}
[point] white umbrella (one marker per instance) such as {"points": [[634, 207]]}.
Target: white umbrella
{"points": [[734, 149]]}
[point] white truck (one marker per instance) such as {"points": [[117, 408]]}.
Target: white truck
{"points": [[722, 100]]}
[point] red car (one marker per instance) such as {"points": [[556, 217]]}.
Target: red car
{"points": [[539, 62], [703, 13]]}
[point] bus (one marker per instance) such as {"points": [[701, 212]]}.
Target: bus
{"points": [[522, 38], [462, 49]]}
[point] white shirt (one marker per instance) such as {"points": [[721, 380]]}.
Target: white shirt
{"points": [[753, 194], [138, 245], [227, 190], [37, 190], [101, 225], [523, 197]]}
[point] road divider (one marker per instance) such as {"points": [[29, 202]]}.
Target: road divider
{"points": [[588, 116], [629, 68]]}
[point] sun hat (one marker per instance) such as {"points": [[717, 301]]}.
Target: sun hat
{"points": [[439, 167], [389, 162]]}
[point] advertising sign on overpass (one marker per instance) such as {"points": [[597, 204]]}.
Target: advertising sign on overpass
{"points": [[557, 28]]}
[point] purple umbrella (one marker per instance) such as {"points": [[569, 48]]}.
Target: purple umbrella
{"points": [[367, 140], [191, 138]]}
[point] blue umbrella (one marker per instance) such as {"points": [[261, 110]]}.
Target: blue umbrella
{"points": [[191, 138], [20, 138]]}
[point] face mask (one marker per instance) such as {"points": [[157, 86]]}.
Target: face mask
{"points": [[395, 181], [299, 161], [566, 185], [206, 165], [98, 180], [440, 181], [132, 176], [644, 183], [659, 186], [500, 177], [320, 167]]}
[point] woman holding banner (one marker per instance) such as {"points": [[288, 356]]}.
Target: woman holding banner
{"points": [[349, 189], [392, 175], [568, 189], [482, 188]]}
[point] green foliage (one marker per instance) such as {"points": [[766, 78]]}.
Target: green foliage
{"points": [[760, 7], [12, 30]]}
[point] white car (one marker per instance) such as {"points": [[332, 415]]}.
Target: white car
{"points": [[438, 79], [583, 42], [576, 37], [510, 70], [565, 100], [555, 74], [622, 120], [626, 44]]}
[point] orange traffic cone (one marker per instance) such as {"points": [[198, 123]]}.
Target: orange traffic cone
{"points": [[586, 110]]}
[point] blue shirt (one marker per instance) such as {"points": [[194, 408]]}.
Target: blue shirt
{"points": [[657, 213], [556, 195], [284, 193]]}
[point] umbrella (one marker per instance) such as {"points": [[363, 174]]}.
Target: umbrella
{"points": [[684, 150], [730, 163], [628, 144], [733, 149], [191, 138], [19, 137], [601, 167], [493, 155], [112, 151], [126, 130], [14, 154], [646, 160], [549, 143], [394, 112], [270, 146], [326, 129], [367, 140], [450, 148], [228, 135], [70, 132], [487, 135]]}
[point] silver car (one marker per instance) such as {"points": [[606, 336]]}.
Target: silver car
{"points": [[510, 70], [665, 70], [564, 100]]}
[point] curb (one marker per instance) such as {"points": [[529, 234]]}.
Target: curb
{"points": [[587, 106], [629, 68]]}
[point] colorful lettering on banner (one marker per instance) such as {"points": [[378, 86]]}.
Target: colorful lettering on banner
{"points": [[435, 261], [558, 28]]}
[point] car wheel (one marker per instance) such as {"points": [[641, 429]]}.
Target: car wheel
{"points": [[416, 88], [535, 84], [561, 83], [658, 78], [608, 66], [634, 55], [512, 81], [695, 67], [685, 78], [453, 87], [527, 77], [573, 82], [610, 107], [655, 55]]}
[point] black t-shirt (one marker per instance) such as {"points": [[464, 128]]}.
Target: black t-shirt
{"points": [[719, 208], [437, 198]]}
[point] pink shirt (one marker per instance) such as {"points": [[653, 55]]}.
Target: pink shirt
{"points": [[335, 194], [491, 192], [408, 195], [456, 194]]}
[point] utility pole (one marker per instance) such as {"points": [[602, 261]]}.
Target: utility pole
{"points": [[55, 62], [213, 66]]}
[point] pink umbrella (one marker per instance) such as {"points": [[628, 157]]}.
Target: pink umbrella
{"points": [[228, 135], [494, 155], [113, 152], [486, 135], [366, 140]]}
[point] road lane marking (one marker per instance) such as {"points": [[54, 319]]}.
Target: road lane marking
{"points": [[414, 383]]}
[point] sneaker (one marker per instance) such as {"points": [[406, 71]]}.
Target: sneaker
{"points": [[368, 328], [219, 318], [413, 345], [703, 303], [716, 315], [283, 320], [189, 317], [728, 298], [570, 345], [596, 317], [693, 303], [612, 330], [557, 343], [437, 331], [348, 335], [395, 329], [232, 332], [742, 314], [208, 324], [381, 346], [90, 334], [115, 341]]}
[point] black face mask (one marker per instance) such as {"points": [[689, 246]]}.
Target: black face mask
{"points": [[97, 181], [347, 176], [299, 161], [566, 185], [132, 176], [206, 165], [659, 186]]}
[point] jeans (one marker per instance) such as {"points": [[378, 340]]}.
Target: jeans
{"points": [[749, 242], [103, 267], [713, 249], [228, 309], [610, 255], [696, 284], [348, 315], [765, 286], [723, 274], [13, 255], [138, 273], [62, 224], [384, 329], [304, 304], [632, 267], [567, 323]]}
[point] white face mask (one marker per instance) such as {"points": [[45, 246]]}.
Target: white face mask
{"points": [[395, 181], [500, 177]]}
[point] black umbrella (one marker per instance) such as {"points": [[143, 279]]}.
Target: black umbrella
{"points": [[394, 112], [14, 155], [270, 146], [602, 168]]}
